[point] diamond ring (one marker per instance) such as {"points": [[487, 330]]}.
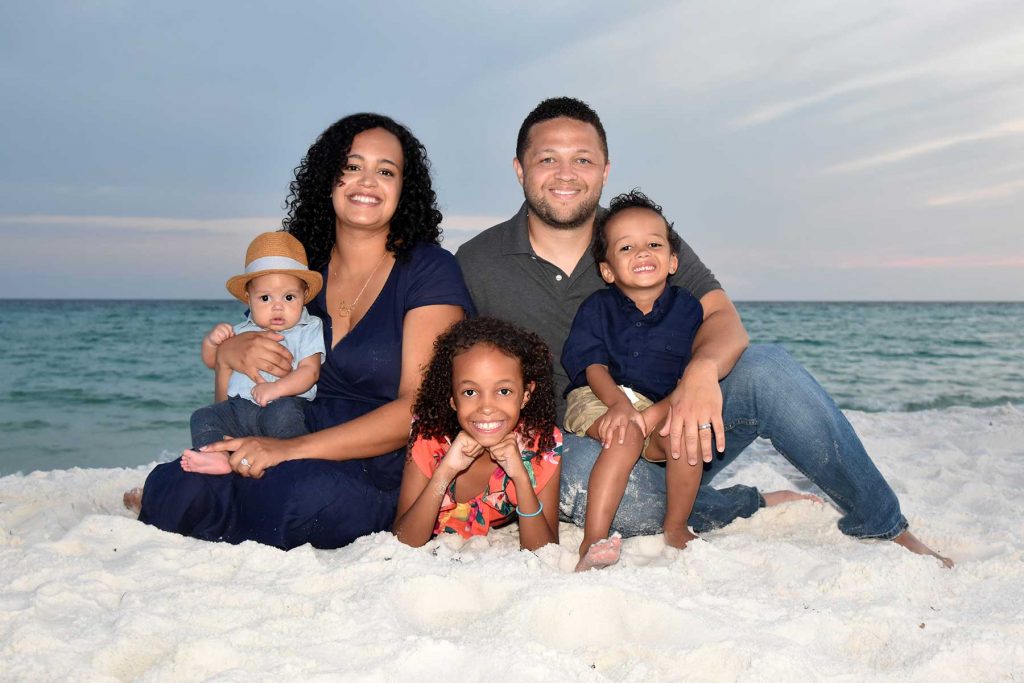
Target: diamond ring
{"points": [[244, 462]]}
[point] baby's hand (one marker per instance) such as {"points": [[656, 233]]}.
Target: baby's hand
{"points": [[612, 426], [462, 453], [506, 454], [265, 393], [219, 333]]}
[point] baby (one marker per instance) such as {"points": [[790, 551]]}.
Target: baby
{"points": [[276, 285]]}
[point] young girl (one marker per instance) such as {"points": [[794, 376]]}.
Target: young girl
{"points": [[484, 445]]}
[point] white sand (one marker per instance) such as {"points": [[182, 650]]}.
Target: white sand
{"points": [[88, 593]]}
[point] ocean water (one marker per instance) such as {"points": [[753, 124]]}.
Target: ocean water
{"points": [[112, 383]]}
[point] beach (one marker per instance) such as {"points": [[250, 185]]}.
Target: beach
{"points": [[91, 594]]}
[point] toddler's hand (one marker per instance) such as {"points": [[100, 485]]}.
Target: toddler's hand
{"points": [[462, 453], [265, 393], [219, 333], [612, 426]]}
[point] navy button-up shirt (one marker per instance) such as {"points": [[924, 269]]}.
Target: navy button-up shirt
{"points": [[646, 353]]}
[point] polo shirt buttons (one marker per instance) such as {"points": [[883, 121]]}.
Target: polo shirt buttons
{"points": [[639, 324], [559, 277], [636, 354]]}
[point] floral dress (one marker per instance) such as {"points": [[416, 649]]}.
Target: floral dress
{"points": [[497, 504]]}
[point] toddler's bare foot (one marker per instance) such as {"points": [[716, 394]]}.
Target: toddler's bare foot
{"points": [[205, 463], [778, 497], [914, 545], [678, 538], [601, 554], [133, 499]]}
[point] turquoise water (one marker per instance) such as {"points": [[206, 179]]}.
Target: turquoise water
{"points": [[112, 383]]}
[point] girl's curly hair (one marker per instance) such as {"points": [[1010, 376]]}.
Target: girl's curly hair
{"points": [[310, 211], [434, 415]]}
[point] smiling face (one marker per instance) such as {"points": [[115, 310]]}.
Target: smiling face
{"points": [[639, 257], [370, 185], [562, 172], [275, 301], [487, 393]]}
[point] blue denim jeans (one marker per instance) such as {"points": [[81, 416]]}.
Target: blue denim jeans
{"points": [[283, 419], [768, 395]]}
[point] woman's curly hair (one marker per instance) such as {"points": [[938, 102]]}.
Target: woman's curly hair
{"points": [[311, 216], [434, 415]]}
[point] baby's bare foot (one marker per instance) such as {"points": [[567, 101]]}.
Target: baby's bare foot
{"points": [[778, 497], [133, 499], [205, 463], [601, 554], [678, 538], [914, 545]]}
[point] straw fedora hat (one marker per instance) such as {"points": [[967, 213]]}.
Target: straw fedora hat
{"points": [[275, 252]]}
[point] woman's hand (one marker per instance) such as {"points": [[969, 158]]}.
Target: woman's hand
{"points": [[462, 453], [250, 352], [258, 453]]}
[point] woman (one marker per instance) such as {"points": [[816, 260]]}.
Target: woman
{"points": [[363, 207]]}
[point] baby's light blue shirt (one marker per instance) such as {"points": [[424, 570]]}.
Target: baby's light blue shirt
{"points": [[303, 340]]}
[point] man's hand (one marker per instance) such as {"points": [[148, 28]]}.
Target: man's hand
{"points": [[696, 401]]}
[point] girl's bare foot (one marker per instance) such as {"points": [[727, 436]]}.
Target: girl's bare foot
{"points": [[914, 545], [133, 499], [205, 463], [778, 497], [601, 554], [678, 538]]}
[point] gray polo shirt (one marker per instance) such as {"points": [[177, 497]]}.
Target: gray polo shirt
{"points": [[508, 280]]}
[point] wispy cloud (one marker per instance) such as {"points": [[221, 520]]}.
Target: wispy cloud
{"points": [[1007, 129], [153, 223], [978, 195], [939, 262]]}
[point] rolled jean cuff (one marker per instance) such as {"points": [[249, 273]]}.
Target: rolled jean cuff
{"points": [[897, 529]]}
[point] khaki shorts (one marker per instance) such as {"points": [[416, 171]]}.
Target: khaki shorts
{"points": [[584, 407]]}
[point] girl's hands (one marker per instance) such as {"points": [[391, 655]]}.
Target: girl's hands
{"points": [[508, 456], [462, 453]]}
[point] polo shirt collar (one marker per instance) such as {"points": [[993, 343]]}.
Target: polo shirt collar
{"points": [[517, 240], [627, 305]]}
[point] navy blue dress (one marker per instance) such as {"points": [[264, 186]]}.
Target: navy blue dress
{"points": [[322, 502]]}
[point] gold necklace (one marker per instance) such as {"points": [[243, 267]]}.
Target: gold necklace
{"points": [[345, 310]]}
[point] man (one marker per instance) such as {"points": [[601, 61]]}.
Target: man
{"points": [[536, 268]]}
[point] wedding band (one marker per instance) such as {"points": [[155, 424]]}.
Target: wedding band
{"points": [[244, 462], [706, 425]]}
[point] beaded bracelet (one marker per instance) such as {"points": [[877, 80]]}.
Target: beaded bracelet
{"points": [[532, 514]]}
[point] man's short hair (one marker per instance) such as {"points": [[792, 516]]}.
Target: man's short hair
{"points": [[634, 199], [554, 108]]}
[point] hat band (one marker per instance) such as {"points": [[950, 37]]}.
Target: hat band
{"points": [[274, 263]]}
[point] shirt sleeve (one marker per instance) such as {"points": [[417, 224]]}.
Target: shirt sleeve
{"points": [[435, 278], [426, 454], [312, 340], [693, 275], [586, 343]]}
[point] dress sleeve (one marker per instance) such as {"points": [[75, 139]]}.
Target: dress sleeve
{"points": [[693, 275], [426, 454], [585, 344], [545, 463], [435, 278]]}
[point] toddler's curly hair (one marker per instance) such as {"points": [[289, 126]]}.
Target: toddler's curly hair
{"points": [[434, 415]]}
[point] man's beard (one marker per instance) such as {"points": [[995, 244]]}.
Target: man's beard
{"points": [[543, 210]]}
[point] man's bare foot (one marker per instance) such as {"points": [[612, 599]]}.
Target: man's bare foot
{"points": [[601, 554], [914, 545], [678, 538], [778, 497], [133, 499], [205, 463]]}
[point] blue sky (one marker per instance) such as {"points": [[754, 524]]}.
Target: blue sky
{"points": [[806, 150]]}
